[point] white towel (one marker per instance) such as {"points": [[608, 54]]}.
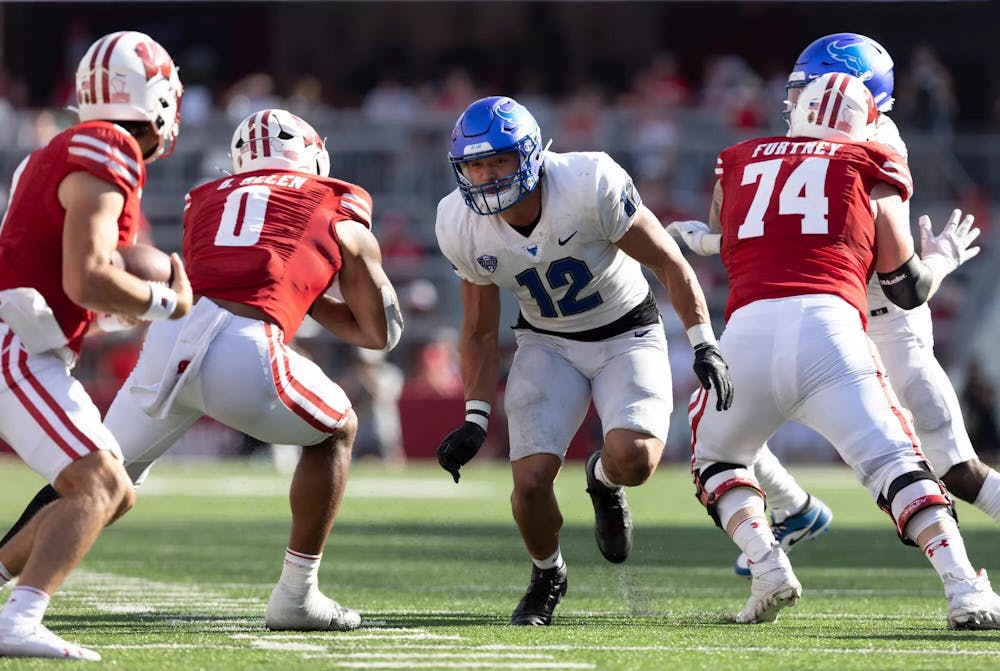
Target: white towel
{"points": [[28, 315], [199, 329]]}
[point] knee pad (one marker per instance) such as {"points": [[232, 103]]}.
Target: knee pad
{"points": [[910, 493], [718, 478]]}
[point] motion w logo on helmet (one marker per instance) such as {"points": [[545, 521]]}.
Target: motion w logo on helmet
{"points": [[851, 57], [155, 59]]}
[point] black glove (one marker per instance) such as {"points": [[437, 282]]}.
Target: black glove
{"points": [[713, 371], [459, 446]]}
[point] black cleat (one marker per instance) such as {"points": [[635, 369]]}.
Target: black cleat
{"points": [[544, 593], [612, 519]]}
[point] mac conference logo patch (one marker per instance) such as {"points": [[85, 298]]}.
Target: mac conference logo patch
{"points": [[488, 262]]}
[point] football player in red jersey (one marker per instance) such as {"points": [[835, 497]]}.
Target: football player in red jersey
{"points": [[904, 338], [805, 219], [72, 202], [262, 248]]}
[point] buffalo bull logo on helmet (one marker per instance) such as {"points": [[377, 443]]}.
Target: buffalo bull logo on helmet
{"points": [[849, 56]]}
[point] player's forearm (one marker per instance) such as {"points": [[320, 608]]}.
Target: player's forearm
{"points": [[104, 288], [685, 294], [480, 363], [337, 317]]}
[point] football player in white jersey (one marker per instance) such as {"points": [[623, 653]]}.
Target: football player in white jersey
{"points": [[567, 234], [904, 338]]}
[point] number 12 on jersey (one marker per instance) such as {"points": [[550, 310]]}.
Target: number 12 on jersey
{"points": [[561, 272], [804, 192]]}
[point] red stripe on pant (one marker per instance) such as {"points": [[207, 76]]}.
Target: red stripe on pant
{"points": [[702, 401], [88, 444], [276, 351], [890, 396], [6, 353]]}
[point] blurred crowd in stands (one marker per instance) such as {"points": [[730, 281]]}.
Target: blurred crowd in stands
{"points": [[666, 129]]}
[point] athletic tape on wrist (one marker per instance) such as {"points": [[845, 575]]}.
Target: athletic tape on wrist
{"points": [[478, 412], [701, 333], [162, 302]]}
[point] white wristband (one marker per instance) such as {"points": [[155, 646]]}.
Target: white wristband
{"points": [[162, 302], [478, 412], [700, 334]]}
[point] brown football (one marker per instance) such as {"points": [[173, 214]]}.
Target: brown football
{"points": [[144, 261]]}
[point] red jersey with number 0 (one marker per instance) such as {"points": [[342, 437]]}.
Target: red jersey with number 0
{"points": [[797, 219], [31, 235], [267, 239]]}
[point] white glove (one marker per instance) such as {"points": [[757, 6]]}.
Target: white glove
{"points": [[697, 236], [947, 251]]}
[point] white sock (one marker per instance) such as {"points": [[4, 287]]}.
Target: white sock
{"points": [[988, 499], [300, 572], [5, 575], [784, 495], [947, 555], [26, 605], [754, 537], [555, 560], [602, 477]]}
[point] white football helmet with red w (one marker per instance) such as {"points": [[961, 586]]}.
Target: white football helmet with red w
{"points": [[275, 139], [127, 76], [834, 104]]}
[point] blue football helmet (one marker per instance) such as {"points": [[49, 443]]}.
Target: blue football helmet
{"points": [[851, 54], [491, 126]]}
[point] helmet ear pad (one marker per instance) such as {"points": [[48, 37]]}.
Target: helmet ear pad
{"points": [[127, 76], [276, 139], [489, 127]]}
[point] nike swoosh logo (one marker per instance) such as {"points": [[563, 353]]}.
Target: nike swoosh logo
{"points": [[639, 334], [563, 242]]}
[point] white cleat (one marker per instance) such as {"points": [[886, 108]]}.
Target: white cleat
{"points": [[774, 587], [972, 604], [37, 641], [314, 612]]}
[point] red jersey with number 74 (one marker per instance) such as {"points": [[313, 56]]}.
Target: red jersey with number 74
{"points": [[797, 218], [267, 239]]}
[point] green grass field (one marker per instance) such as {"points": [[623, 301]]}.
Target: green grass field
{"points": [[436, 569]]}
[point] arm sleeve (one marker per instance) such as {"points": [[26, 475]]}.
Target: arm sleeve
{"points": [[617, 199]]}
